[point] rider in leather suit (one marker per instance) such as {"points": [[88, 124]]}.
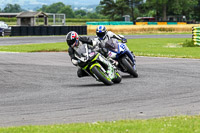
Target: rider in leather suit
{"points": [[74, 41], [103, 36]]}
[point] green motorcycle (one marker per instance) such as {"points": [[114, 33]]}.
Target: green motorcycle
{"points": [[96, 65]]}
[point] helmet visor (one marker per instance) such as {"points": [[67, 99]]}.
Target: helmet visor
{"points": [[101, 34], [70, 42], [75, 44]]}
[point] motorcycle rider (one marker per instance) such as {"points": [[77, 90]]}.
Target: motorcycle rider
{"points": [[74, 41], [102, 36]]}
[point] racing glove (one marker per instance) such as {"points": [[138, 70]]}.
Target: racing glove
{"points": [[75, 62], [124, 40]]}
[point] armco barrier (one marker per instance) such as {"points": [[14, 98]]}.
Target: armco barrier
{"points": [[141, 23], [136, 23], [110, 23], [46, 30], [196, 35], [152, 23], [181, 23], [172, 23], [162, 23]]}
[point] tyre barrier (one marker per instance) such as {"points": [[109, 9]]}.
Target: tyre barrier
{"points": [[1, 32], [46, 30], [196, 35]]}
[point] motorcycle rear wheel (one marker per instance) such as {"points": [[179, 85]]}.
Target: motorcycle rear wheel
{"points": [[129, 67]]}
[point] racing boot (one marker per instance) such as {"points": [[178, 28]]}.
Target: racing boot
{"points": [[133, 56], [81, 73]]}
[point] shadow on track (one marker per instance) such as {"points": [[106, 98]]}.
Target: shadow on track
{"points": [[127, 76], [88, 85]]}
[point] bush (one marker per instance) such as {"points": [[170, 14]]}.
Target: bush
{"points": [[8, 19], [189, 43]]}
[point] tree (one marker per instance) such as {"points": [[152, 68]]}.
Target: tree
{"points": [[196, 12], [12, 8], [67, 10], [55, 7], [44, 8], [98, 9], [121, 9], [108, 8], [116, 9], [80, 12], [132, 5], [160, 6], [172, 7]]}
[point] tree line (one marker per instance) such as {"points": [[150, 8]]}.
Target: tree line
{"points": [[151, 8], [116, 9], [58, 7]]}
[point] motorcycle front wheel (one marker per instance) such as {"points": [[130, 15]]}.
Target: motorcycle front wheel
{"points": [[117, 78], [101, 75], [129, 67]]}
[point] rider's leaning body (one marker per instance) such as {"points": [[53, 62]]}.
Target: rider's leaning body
{"points": [[74, 41], [102, 35]]}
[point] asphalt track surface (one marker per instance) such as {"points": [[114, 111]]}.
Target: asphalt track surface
{"points": [[43, 88], [54, 39]]}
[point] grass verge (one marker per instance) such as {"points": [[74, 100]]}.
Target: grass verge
{"points": [[177, 124], [163, 47], [156, 47], [45, 47]]}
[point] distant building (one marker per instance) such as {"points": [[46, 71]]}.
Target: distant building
{"points": [[145, 19], [126, 18], [36, 18], [31, 18]]}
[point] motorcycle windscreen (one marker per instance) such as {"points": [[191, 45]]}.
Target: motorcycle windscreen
{"points": [[112, 44], [81, 50]]}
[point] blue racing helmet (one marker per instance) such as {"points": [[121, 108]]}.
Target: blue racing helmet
{"points": [[101, 31]]}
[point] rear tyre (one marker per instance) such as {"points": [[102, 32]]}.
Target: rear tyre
{"points": [[101, 75], [132, 70]]}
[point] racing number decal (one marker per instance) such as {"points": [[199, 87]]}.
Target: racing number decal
{"points": [[122, 46]]}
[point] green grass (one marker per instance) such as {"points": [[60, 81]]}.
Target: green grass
{"points": [[177, 124], [156, 47], [46, 47], [161, 33], [163, 47]]}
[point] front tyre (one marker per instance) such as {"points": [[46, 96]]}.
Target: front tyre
{"points": [[101, 75], [117, 78], [129, 67]]}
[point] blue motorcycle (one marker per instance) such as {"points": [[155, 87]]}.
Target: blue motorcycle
{"points": [[121, 53]]}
